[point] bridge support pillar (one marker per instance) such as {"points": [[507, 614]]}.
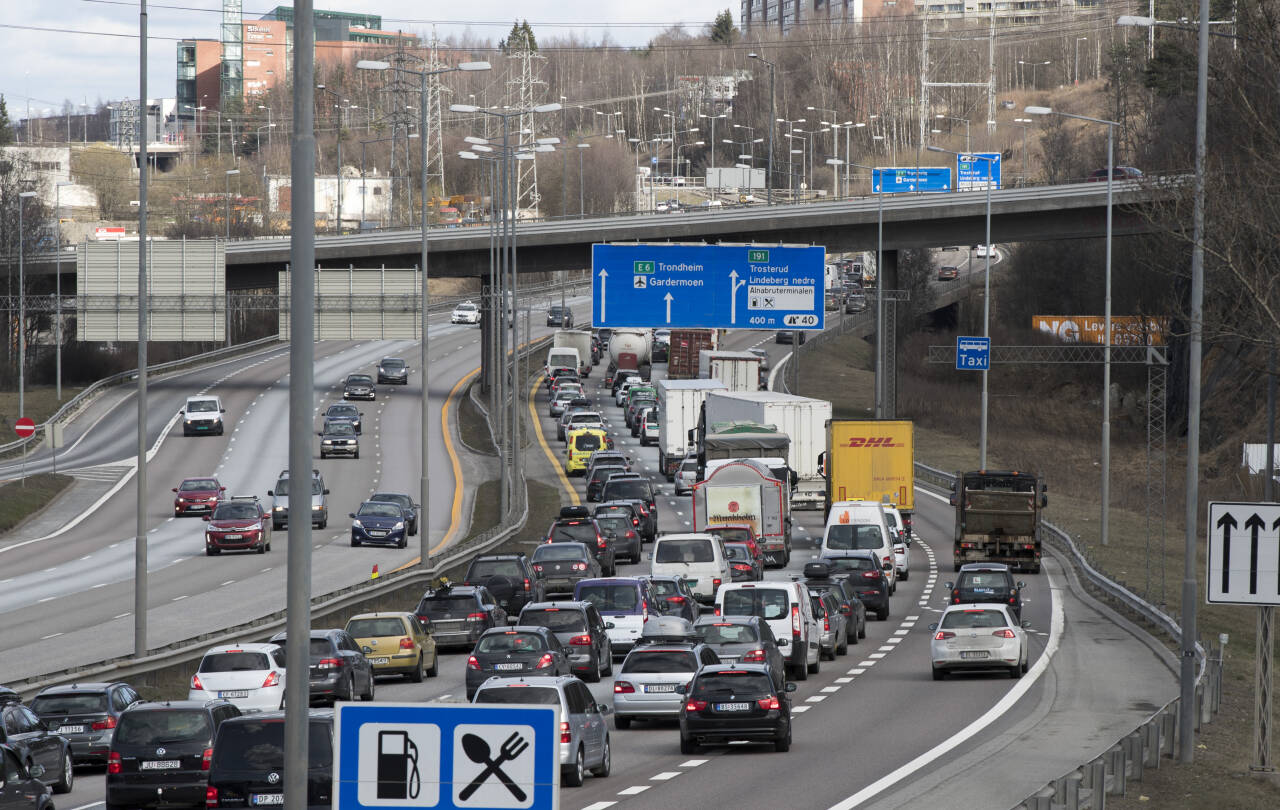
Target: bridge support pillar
{"points": [[887, 344]]}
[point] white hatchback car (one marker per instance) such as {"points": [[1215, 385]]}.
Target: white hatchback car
{"points": [[979, 636], [687, 476], [466, 312], [249, 675]]}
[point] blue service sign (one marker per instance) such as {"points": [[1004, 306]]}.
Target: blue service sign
{"points": [[926, 178], [446, 756], [973, 353], [707, 286], [974, 169]]}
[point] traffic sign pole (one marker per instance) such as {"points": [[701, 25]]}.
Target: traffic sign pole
{"points": [[24, 427]]}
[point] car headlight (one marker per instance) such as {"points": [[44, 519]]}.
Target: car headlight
{"points": [[327, 441], [399, 525], [182, 500], [279, 508], [356, 524], [315, 507]]}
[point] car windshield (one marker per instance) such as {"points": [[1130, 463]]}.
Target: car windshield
{"points": [[584, 418], [370, 628], [688, 466], [767, 603], [573, 533], [235, 662], [318, 648], [510, 641], [737, 683], [466, 307], [282, 487], [379, 509], [80, 703], [359, 379], [853, 536], [163, 726], [482, 569], [733, 535], [235, 511], [559, 552], [392, 363], [610, 598], [448, 605], [963, 619], [537, 695], [404, 500], [692, 550], [557, 620], [197, 485], [726, 633], [343, 411], [258, 745], [603, 471], [851, 564], [642, 661], [202, 406], [627, 490], [339, 429], [664, 587], [587, 441], [616, 525]]}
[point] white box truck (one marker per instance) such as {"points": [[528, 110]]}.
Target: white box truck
{"points": [[802, 418], [576, 339], [679, 403], [739, 371]]}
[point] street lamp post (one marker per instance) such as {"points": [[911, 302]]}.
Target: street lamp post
{"points": [[1106, 350], [986, 302], [22, 307], [772, 113], [228, 201], [269, 124], [338, 175], [713, 118], [967, 147], [424, 485], [57, 318], [1034, 65], [582, 208]]}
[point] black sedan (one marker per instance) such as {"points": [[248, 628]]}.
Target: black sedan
{"points": [[393, 370], [359, 386], [731, 702], [379, 523], [35, 744], [514, 651], [407, 505]]}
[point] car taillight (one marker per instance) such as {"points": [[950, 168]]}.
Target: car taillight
{"points": [[273, 679], [424, 619], [943, 635], [526, 579], [754, 657], [600, 542], [472, 663], [889, 559], [406, 643], [479, 617], [579, 566], [583, 640], [206, 758], [768, 703], [741, 567], [795, 620], [623, 688], [715, 585], [826, 623], [846, 609], [545, 661], [631, 535], [113, 762], [210, 796], [564, 733], [635, 521], [329, 663], [679, 600], [536, 566], [717, 612], [695, 705], [906, 522], [1004, 633], [195, 683], [870, 574], [103, 725]]}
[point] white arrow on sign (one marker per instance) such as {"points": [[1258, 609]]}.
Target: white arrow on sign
{"points": [[734, 286], [668, 299], [604, 275]]}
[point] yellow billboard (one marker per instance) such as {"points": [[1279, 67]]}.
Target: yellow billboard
{"points": [[1126, 330]]}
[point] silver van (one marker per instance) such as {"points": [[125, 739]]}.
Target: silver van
{"points": [[280, 501]]}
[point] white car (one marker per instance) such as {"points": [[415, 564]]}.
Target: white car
{"points": [[901, 541], [686, 476], [466, 312], [981, 636], [981, 251], [621, 396], [249, 675]]}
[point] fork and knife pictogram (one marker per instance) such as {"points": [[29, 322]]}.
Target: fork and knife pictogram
{"points": [[477, 750]]}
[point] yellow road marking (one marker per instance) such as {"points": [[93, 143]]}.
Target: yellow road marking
{"points": [[551, 456]]}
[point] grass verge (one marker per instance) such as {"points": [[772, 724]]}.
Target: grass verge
{"points": [[20, 500], [38, 404], [473, 427]]}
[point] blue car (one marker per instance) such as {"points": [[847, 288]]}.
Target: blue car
{"points": [[379, 523]]}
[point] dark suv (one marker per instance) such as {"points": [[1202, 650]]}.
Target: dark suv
{"points": [[460, 613], [559, 316], [626, 486], [865, 572], [575, 525], [820, 579], [987, 582], [248, 762], [86, 714], [339, 670], [509, 577], [581, 631], [20, 786], [161, 751]]}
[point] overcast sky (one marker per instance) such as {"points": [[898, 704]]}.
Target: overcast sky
{"points": [[55, 50]]}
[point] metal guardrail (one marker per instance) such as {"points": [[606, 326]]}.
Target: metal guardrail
{"points": [[1087, 785]]}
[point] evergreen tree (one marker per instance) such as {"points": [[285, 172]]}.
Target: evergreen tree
{"points": [[723, 31], [6, 126], [521, 37]]}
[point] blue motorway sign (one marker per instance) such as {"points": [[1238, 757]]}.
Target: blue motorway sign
{"points": [[973, 353], [446, 756], [925, 178], [707, 286], [975, 168]]}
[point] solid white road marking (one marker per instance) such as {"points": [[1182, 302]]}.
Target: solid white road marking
{"points": [[51, 635]]}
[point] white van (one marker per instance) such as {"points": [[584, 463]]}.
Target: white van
{"points": [[787, 608], [562, 357], [699, 558], [855, 525], [202, 414], [901, 541]]}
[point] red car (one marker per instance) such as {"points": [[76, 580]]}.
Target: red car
{"points": [[197, 496], [239, 524]]}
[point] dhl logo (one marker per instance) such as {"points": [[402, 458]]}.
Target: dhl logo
{"points": [[873, 441]]}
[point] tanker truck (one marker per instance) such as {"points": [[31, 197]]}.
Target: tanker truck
{"points": [[629, 352]]}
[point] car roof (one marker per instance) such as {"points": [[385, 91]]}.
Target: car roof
{"points": [[711, 669], [461, 590], [71, 688], [707, 618], [382, 614], [984, 567], [322, 633], [278, 716], [248, 646], [563, 543], [611, 580], [508, 682], [159, 706], [850, 553], [516, 556], [569, 604], [963, 606], [518, 628]]}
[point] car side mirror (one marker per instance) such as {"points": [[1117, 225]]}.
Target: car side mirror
{"points": [[790, 687], [271, 493], [1044, 501], [361, 413], [609, 625], [604, 708], [681, 689], [319, 432], [1021, 584], [782, 642], [948, 585], [351, 514], [1026, 623], [649, 555], [324, 492], [887, 566], [175, 489], [933, 627], [222, 410]]}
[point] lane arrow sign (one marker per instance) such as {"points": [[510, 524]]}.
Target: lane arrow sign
{"points": [[668, 298], [604, 275], [734, 286], [1253, 524], [1227, 522]]}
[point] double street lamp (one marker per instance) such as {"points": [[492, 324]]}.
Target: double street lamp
{"points": [[772, 113], [22, 306]]}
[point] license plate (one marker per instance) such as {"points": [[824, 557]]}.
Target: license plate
{"points": [[377, 533], [984, 590], [70, 730], [260, 799], [379, 660], [974, 654], [508, 666], [233, 537], [237, 693], [732, 707], [160, 764], [661, 687]]}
